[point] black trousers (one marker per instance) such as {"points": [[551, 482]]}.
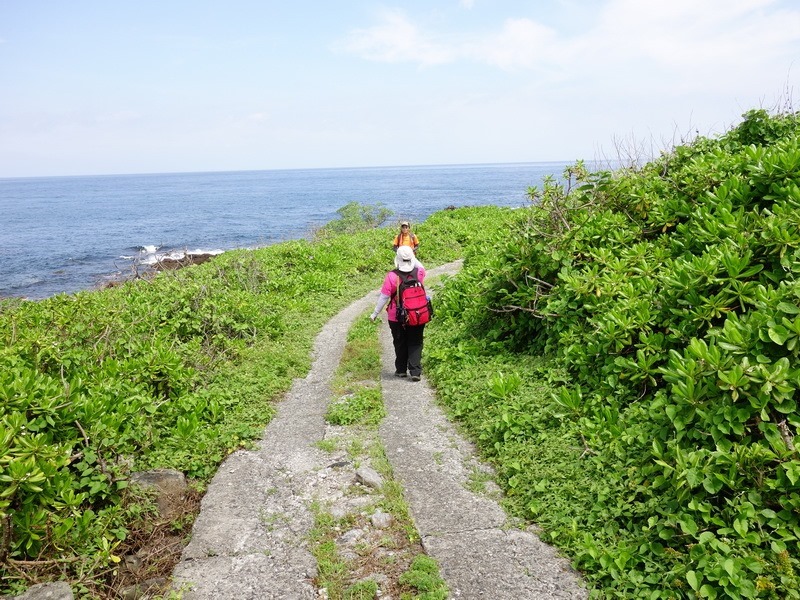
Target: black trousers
{"points": [[407, 348]]}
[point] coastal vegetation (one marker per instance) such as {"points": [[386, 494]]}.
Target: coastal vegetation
{"points": [[624, 352], [628, 357], [174, 371]]}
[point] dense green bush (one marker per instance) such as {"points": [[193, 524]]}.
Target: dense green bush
{"points": [[173, 371], [667, 301], [354, 218]]}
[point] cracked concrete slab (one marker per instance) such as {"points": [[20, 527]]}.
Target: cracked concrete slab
{"points": [[250, 539]]}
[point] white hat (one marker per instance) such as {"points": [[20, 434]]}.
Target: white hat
{"points": [[404, 259]]}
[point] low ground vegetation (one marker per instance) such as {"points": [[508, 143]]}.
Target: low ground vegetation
{"points": [[628, 359], [174, 371]]}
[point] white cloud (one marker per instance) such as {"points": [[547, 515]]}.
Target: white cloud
{"points": [[687, 32], [685, 46], [396, 39], [468, 4], [522, 43], [627, 35]]}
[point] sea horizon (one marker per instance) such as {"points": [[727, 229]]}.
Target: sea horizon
{"points": [[66, 233], [218, 172]]}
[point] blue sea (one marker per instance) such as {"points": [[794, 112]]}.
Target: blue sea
{"points": [[64, 234]]}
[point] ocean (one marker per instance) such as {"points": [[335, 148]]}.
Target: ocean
{"points": [[65, 234]]}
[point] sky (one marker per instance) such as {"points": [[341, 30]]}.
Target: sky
{"points": [[100, 87]]}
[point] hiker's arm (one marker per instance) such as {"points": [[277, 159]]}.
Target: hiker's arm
{"points": [[382, 300]]}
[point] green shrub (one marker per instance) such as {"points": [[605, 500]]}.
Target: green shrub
{"points": [[665, 302]]}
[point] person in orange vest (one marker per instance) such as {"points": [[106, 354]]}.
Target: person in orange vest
{"points": [[406, 238]]}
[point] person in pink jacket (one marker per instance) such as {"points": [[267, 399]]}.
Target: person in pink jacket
{"points": [[407, 340]]}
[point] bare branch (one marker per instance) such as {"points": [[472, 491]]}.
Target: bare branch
{"points": [[786, 435]]}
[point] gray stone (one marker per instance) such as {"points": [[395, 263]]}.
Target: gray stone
{"points": [[382, 520], [132, 563], [144, 589], [351, 537], [369, 477], [58, 590], [170, 486]]}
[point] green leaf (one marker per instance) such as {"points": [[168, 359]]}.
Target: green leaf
{"points": [[693, 580], [778, 334], [694, 477], [740, 525], [729, 566], [713, 483], [792, 470], [688, 524], [706, 591]]}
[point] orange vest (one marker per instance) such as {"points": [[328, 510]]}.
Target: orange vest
{"points": [[406, 239]]}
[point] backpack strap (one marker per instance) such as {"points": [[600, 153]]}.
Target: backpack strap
{"points": [[397, 288]]}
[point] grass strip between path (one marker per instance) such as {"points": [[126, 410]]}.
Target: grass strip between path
{"points": [[391, 559]]}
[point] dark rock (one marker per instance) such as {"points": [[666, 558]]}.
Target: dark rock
{"points": [[146, 588], [188, 259]]}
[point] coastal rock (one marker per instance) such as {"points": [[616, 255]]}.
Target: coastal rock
{"points": [[188, 259]]}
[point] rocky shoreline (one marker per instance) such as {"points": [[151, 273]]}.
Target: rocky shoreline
{"points": [[165, 263], [188, 259]]}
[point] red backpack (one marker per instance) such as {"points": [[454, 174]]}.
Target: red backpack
{"points": [[413, 306]]}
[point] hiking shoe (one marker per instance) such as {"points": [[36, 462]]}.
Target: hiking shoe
{"points": [[399, 374], [415, 378]]}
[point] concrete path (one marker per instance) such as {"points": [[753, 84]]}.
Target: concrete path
{"points": [[250, 540], [480, 554]]}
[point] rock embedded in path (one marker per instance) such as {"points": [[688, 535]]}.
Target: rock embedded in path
{"points": [[382, 520], [369, 477]]}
